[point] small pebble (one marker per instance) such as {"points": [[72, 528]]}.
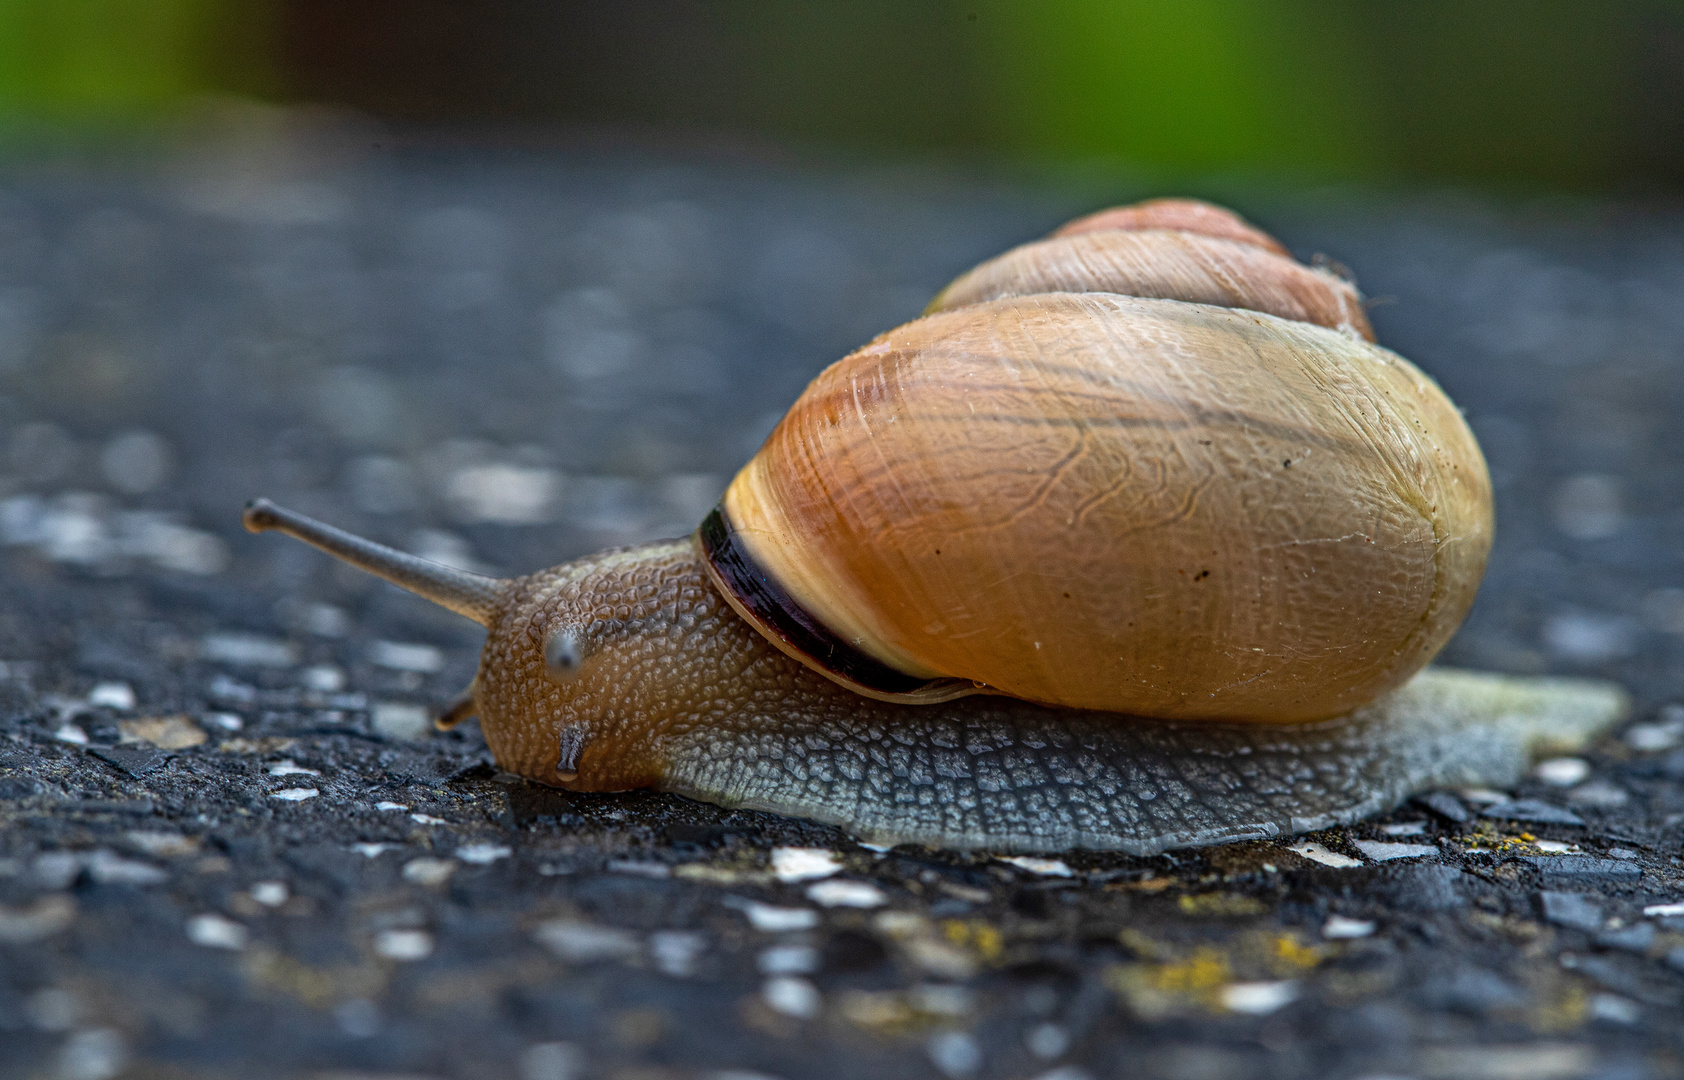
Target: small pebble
{"points": [[503, 494], [1339, 928], [1259, 998], [162, 844], [852, 894], [1043, 867], [1599, 794], [483, 854], [676, 951], [112, 695], [583, 943], [955, 1053], [403, 945], [428, 871], [225, 721], [1662, 911], [107, 868], [793, 864], [1047, 1041], [778, 920], [427, 819], [1555, 847], [551, 1061], [294, 794], [1378, 851], [391, 806], [216, 932], [290, 768], [406, 656], [247, 650], [401, 720], [164, 732], [788, 960], [95, 1054], [45, 917], [72, 734], [1562, 771], [639, 868], [1615, 1009], [323, 678], [1321, 854], [373, 851], [270, 893], [792, 996], [1404, 828]]}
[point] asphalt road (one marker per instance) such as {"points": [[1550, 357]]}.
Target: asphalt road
{"points": [[231, 846]]}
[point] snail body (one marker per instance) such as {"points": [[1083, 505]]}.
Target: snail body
{"points": [[1105, 551]]}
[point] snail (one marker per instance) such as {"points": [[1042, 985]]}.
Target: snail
{"points": [[1133, 541]]}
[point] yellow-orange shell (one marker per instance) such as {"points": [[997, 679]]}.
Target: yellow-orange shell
{"points": [[1139, 505]]}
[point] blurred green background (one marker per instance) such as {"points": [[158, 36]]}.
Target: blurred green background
{"points": [[1519, 94]]}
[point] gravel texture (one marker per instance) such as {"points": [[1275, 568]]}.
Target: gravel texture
{"points": [[231, 845]]}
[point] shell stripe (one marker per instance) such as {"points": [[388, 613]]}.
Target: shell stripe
{"points": [[779, 613]]}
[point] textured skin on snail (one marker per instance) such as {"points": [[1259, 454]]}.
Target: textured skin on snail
{"points": [[1238, 522]]}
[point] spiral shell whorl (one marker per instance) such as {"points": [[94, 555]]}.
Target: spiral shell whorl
{"points": [[1127, 504]]}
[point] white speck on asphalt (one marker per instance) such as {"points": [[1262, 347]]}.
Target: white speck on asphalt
{"points": [[1656, 911], [1601, 794], [107, 868], [1556, 847], [401, 720], [1259, 998], [1340, 928], [776, 920], [1404, 828], [676, 951], [1321, 854], [853, 894], [584, 943], [427, 819], [1043, 867], [289, 768], [483, 854], [373, 851], [955, 1053], [403, 945], [112, 695], [406, 656], [294, 794], [1665, 734], [429, 871], [1562, 771], [1379, 851], [1615, 1009], [270, 893], [551, 1061], [95, 1054], [323, 678], [788, 960], [72, 734], [1585, 638], [792, 996], [226, 721], [216, 932], [41, 920], [793, 864], [1047, 1041], [247, 650], [638, 868], [391, 806]]}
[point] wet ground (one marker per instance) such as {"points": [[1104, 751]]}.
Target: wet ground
{"points": [[231, 846]]}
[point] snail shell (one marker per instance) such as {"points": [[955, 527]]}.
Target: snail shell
{"points": [[1111, 502], [1212, 502]]}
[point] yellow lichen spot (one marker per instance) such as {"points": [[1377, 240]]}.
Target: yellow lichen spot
{"points": [[1290, 955], [976, 935], [1200, 974], [1216, 905]]}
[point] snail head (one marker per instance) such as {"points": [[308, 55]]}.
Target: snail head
{"points": [[590, 667]]}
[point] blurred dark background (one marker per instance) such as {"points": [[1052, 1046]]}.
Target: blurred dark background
{"points": [[1515, 94]]}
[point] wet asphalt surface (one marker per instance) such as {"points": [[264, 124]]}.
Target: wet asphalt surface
{"points": [[230, 845]]}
